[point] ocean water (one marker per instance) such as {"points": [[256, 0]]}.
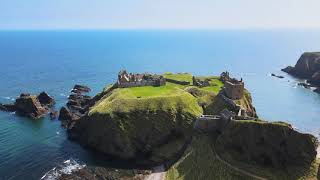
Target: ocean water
{"points": [[53, 61]]}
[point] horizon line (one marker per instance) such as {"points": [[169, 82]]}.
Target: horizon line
{"points": [[159, 29]]}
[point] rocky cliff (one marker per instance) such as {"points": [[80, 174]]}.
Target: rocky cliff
{"points": [[307, 65], [220, 102], [153, 129]]}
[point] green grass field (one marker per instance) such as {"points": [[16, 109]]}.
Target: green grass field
{"points": [[199, 162], [179, 76], [215, 85]]}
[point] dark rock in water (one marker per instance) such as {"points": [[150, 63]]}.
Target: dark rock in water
{"points": [[30, 106], [266, 144], [45, 99], [24, 94], [317, 90], [65, 114], [76, 91], [53, 115], [81, 88], [274, 75], [305, 85], [8, 107], [77, 106], [71, 103]]}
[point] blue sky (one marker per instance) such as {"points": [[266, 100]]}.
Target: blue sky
{"points": [[158, 14]]}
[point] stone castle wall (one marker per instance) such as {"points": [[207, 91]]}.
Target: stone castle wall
{"points": [[211, 124], [141, 83]]}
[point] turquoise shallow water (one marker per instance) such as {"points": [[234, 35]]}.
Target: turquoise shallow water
{"points": [[53, 61]]}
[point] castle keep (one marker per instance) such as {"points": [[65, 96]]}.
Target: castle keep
{"points": [[136, 80], [233, 88]]}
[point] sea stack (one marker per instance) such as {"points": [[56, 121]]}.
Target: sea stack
{"points": [[30, 106]]}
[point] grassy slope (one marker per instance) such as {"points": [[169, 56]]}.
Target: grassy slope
{"points": [[200, 163], [272, 173], [215, 84], [179, 76], [147, 114]]}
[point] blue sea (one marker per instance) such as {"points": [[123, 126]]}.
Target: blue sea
{"points": [[53, 61]]}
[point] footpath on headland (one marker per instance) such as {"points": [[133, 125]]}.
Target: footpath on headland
{"points": [[158, 173]]}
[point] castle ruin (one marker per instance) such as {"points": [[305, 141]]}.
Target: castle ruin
{"points": [[233, 88], [136, 80]]}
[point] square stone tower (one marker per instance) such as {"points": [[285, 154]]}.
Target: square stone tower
{"points": [[234, 89]]}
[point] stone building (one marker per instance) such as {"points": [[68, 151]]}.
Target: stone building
{"points": [[135, 80], [234, 89], [225, 76], [200, 82]]}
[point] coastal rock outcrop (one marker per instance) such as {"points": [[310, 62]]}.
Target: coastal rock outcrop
{"points": [[53, 114], [78, 89], [30, 105], [77, 106], [277, 76], [45, 99], [65, 114], [274, 145], [307, 67]]}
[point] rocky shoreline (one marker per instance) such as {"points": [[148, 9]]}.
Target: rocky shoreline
{"points": [[307, 67]]}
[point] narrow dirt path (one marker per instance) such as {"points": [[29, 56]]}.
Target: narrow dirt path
{"points": [[158, 173], [318, 152], [238, 169]]}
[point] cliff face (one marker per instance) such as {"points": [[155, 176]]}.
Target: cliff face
{"points": [[306, 67], [274, 145], [151, 130], [220, 102]]}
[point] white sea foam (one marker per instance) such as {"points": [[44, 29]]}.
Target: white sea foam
{"points": [[63, 95], [67, 167]]}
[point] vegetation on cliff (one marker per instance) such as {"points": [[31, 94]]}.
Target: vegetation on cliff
{"points": [[219, 156], [272, 150], [199, 161], [149, 123]]}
